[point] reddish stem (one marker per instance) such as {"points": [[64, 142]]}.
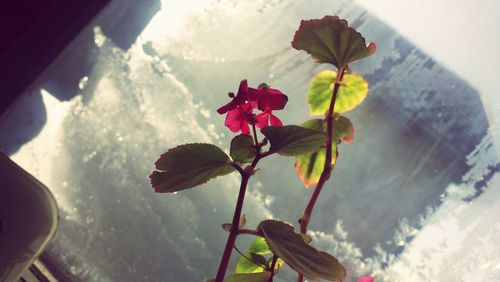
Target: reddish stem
{"points": [[257, 144], [233, 233], [327, 169], [273, 265]]}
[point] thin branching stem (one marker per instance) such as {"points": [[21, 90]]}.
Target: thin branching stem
{"points": [[233, 233], [246, 173], [256, 140], [265, 154], [327, 169], [273, 266], [237, 167]]}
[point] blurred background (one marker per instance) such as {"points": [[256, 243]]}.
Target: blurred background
{"points": [[413, 198]]}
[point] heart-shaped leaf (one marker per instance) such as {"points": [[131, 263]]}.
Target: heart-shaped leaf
{"points": [[251, 263], [343, 129], [259, 246], [249, 277], [303, 258], [352, 92], [242, 148], [292, 140], [310, 166], [330, 40], [189, 165]]}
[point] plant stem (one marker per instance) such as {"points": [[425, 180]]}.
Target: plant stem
{"points": [[233, 233], [257, 144], [273, 265], [327, 169]]}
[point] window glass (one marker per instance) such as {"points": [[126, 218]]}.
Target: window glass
{"points": [[414, 197]]}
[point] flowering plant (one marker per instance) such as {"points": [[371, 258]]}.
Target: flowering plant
{"points": [[314, 145]]}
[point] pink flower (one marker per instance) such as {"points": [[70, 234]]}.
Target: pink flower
{"points": [[239, 99], [239, 118], [367, 278], [240, 109], [268, 98], [265, 117]]}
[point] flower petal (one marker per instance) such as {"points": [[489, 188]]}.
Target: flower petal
{"points": [[273, 102], [246, 108], [244, 127], [366, 279], [239, 99], [233, 120], [262, 120], [253, 95], [271, 98], [275, 121]]}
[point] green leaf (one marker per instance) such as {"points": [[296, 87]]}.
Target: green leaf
{"points": [[303, 258], [259, 246], [316, 124], [242, 148], [189, 165], [330, 40], [249, 277], [352, 92], [343, 129], [250, 263], [310, 166], [292, 140]]}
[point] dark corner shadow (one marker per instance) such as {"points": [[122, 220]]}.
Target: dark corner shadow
{"points": [[22, 122], [121, 21]]}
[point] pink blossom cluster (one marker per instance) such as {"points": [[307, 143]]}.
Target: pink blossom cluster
{"points": [[240, 109]]}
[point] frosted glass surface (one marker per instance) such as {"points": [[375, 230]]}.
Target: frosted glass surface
{"points": [[413, 198]]}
